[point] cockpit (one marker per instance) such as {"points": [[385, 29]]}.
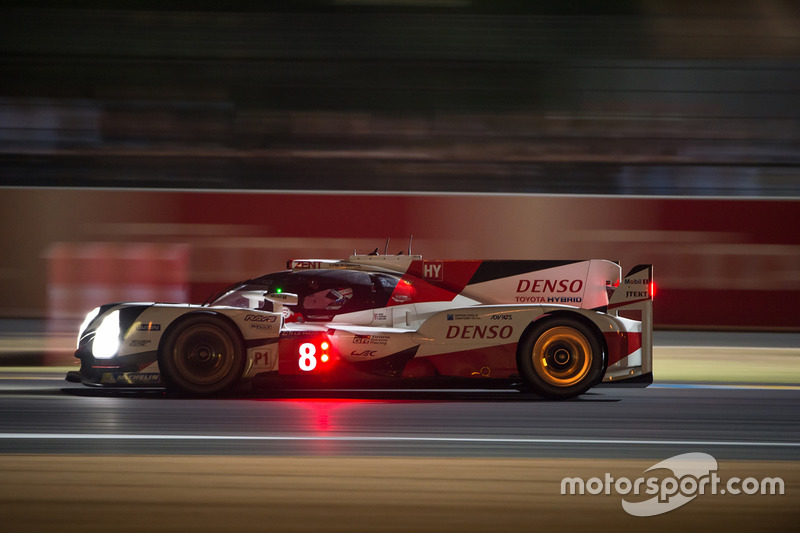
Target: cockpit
{"points": [[322, 294]]}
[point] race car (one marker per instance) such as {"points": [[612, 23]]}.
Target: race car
{"points": [[551, 327]]}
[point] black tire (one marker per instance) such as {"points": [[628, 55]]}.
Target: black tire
{"points": [[202, 354], [560, 358]]}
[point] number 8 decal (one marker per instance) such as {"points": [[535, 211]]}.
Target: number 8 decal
{"points": [[307, 360]]}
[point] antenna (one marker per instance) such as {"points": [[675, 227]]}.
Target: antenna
{"points": [[386, 248], [411, 238]]}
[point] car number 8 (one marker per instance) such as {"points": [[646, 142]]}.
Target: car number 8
{"points": [[307, 360]]}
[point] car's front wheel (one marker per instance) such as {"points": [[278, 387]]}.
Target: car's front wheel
{"points": [[202, 354], [561, 358]]}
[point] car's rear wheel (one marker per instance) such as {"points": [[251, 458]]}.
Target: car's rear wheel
{"points": [[202, 355], [561, 358]]}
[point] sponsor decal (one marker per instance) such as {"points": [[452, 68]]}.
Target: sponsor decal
{"points": [[263, 327], [299, 333], [637, 294], [506, 316], [138, 343], [548, 299], [550, 285], [148, 326], [260, 318], [371, 339], [306, 264], [462, 316], [379, 316], [637, 281], [479, 332], [365, 353], [563, 299], [131, 378], [141, 378], [692, 474], [432, 270]]}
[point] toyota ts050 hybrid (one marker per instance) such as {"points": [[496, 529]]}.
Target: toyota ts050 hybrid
{"points": [[551, 327]]}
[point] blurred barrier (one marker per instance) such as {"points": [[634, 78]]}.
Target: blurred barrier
{"points": [[719, 263], [82, 276]]}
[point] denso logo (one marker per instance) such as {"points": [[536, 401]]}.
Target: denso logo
{"points": [[550, 285], [479, 332]]}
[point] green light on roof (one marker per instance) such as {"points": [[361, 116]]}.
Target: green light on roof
{"points": [[279, 290]]}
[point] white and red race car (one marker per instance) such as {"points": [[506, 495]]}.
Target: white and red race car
{"points": [[552, 327]]}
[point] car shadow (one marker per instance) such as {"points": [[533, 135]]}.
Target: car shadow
{"points": [[394, 395]]}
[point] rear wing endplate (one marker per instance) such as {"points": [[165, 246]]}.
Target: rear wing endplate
{"points": [[635, 293]]}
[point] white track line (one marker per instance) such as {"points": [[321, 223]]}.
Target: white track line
{"points": [[333, 438]]}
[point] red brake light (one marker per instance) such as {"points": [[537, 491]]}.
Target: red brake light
{"points": [[652, 290]]}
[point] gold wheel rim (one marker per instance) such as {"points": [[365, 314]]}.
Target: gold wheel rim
{"points": [[562, 356]]}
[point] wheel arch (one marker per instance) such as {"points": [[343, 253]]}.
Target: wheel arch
{"points": [[176, 324]]}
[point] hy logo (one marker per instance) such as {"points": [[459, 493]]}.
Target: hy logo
{"points": [[432, 270]]}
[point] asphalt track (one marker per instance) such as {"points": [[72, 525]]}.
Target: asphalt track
{"points": [[84, 459], [40, 413]]}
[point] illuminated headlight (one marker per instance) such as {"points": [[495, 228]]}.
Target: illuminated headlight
{"points": [[106, 338], [86, 321]]}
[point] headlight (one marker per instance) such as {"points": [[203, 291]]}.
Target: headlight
{"points": [[106, 338], [86, 321]]}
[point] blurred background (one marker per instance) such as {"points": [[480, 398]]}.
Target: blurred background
{"points": [[161, 150]]}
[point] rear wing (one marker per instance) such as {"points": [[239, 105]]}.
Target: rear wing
{"points": [[635, 294]]}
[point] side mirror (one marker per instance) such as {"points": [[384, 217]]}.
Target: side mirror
{"points": [[283, 298], [256, 298]]}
